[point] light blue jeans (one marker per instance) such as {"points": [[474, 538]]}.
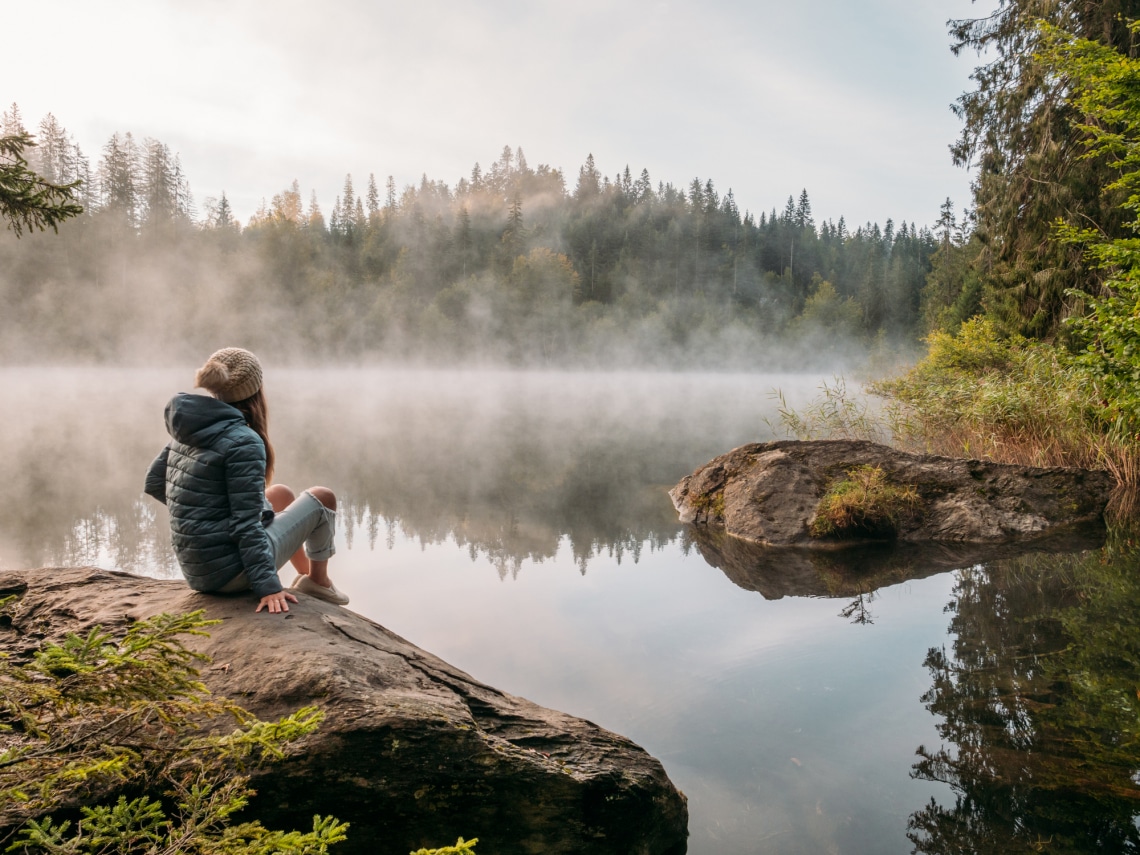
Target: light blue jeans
{"points": [[306, 521]]}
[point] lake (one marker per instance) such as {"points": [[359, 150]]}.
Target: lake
{"points": [[517, 525]]}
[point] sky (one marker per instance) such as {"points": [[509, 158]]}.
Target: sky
{"points": [[850, 101]]}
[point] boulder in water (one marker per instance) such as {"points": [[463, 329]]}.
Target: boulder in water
{"points": [[782, 493]]}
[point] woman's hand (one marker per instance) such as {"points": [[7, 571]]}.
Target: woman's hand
{"points": [[275, 603]]}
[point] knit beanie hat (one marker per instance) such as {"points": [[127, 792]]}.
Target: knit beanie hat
{"points": [[232, 374]]}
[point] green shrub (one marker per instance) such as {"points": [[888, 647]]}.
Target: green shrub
{"points": [[98, 715], [461, 847]]}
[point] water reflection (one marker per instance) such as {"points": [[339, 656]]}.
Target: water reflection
{"points": [[776, 572], [1039, 702]]}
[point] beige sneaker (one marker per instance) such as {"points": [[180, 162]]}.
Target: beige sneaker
{"points": [[330, 594]]}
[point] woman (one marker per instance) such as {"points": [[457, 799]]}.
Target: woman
{"points": [[229, 532]]}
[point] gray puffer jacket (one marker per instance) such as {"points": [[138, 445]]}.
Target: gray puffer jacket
{"points": [[211, 476]]}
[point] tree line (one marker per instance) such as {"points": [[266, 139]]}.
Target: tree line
{"points": [[511, 264]]}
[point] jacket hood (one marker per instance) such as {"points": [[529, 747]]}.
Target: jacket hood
{"points": [[197, 419]]}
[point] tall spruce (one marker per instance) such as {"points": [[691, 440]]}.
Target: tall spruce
{"points": [[1019, 134], [118, 178]]}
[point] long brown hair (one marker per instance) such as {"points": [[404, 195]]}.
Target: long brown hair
{"points": [[256, 411]]}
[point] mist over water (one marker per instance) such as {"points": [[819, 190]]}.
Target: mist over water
{"points": [[505, 463], [516, 523]]}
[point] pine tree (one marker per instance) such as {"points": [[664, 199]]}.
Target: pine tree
{"points": [[118, 170], [224, 216], [514, 235], [348, 222], [463, 237], [803, 212], [390, 195], [12, 122], [183, 199], [314, 217], [946, 222], [644, 187], [373, 198], [589, 181], [55, 152], [711, 199], [158, 185], [27, 200], [696, 196], [86, 193], [728, 206]]}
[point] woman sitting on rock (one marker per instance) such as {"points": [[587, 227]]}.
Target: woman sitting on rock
{"points": [[229, 532]]}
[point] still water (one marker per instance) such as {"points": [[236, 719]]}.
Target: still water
{"points": [[517, 525]]}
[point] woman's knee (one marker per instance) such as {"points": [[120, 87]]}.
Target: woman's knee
{"points": [[280, 496], [325, 496]]}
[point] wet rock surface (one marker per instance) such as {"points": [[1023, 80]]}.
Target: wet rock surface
{"points": [[769, 493], [412, 752]]}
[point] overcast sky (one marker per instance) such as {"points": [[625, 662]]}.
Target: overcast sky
{"points": [[849, 100]]}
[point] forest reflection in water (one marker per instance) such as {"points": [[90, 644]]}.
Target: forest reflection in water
{"points": [[791, 719], [1038, 698]]}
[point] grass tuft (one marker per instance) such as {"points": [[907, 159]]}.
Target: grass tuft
{"points": [[863, 504]]}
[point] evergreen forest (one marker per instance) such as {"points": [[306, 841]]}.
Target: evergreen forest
{"points": [[513, 264]]}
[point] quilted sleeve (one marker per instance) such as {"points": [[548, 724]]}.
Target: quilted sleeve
{"points": [[156, 476]]}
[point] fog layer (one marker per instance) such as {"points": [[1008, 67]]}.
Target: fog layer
{"points": [[508, 464]]}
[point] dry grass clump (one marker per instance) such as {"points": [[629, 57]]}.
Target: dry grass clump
{"points": [[863, 504]]}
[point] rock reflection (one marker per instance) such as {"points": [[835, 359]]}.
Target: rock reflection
{"points": [[777, 572], [1039, 706]]}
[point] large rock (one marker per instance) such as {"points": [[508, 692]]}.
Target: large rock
{"points": [[769, 493], [412, 752]]}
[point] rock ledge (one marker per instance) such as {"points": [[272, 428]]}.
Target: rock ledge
{"points": [[412, 752]]}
